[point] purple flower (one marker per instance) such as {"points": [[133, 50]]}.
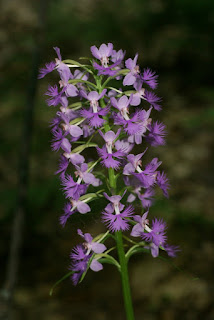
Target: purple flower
{"points": [[115, 215], [103, 53], [150, 78], [93, 97], [138, 229], [156, 234], [73, 189], [118, 221], [79, 262], [94, 118], [156, 136], [91, 245], [49, 67], [122, 105], [133, 164], [133, 75], [147, 177]]}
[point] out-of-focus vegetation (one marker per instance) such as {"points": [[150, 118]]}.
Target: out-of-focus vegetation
{"points": [[175, 38]]}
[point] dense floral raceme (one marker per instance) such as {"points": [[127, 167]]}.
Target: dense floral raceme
{"points": [[108, 100]]}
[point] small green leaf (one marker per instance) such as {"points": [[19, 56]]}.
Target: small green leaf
{"points": [[79, 149], [77, 121]]}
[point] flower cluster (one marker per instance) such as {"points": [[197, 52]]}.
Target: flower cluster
{"points": [[119, 117]]}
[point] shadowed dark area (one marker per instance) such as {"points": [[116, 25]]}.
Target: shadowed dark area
{"points": [[175, 38]]}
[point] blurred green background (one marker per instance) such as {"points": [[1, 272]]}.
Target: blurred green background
{"points": [[175, 38]]}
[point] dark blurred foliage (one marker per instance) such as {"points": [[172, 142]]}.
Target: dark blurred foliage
{"points": [[175, 38]]}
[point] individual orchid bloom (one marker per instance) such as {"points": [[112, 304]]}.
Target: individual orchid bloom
{"points": [[91, 245], [87, 177], [109, 138], [134, 73], [93, 97], [74, 130], [156, 233], [148, 176], [95, 119], [115, 214], [143, 118], [81, 254], [115, 204], [117, 221], [103, 53], [134, 163], [73, 189], [122, 105], [106, 152], [141, 224]]}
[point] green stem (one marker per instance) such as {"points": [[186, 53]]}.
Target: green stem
{"points": [[124, 277], [122, 258]]}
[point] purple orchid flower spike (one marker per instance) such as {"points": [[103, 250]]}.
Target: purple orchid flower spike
{"points": [[133, 75], [142, 222], [103, 53]]}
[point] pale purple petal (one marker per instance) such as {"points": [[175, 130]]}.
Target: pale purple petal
{"points": [[129, 79], [83, 207], [95, 265], [75, 131], [98, 247]]}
